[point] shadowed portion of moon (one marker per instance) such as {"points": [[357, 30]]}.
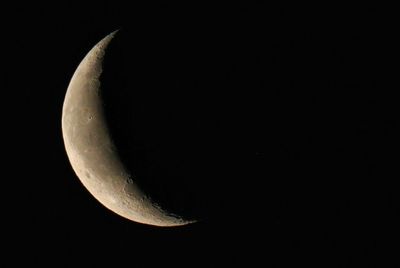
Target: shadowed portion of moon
{"points": [[165, 109]]}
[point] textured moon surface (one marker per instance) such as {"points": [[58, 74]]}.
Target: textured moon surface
{"points": [[92, 152]]}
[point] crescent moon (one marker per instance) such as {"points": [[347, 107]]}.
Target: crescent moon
{"points": [[92, 153]]}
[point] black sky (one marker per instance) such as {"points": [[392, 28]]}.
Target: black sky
{"points": [[278, 124]]}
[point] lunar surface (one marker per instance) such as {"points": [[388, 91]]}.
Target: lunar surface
{"points": [[92, 152]]}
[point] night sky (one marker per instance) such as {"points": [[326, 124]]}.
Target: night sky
{"points": [[276, 126]]}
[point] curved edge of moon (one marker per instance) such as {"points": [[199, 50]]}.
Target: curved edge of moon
{"points": [[92, 153]]}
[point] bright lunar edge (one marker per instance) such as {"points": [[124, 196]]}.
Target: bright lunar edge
{"points": [[93, 143]]}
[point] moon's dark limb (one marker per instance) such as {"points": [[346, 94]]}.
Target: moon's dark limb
{"points": [[157, 129], [92, 151], [168, 111]]}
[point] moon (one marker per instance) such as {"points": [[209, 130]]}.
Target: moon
{"points": [[92, 152]]}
